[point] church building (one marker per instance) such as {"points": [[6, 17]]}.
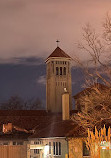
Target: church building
{"points": [[46, 133], [58, 79]]}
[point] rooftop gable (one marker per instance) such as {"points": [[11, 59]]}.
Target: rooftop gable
{"points": [[89, 89], [58, 52]]}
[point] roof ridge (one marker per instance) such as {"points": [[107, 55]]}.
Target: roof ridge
{"points": [[58, 52]]}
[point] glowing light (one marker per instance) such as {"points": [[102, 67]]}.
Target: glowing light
{"points": [[46, 150], [104, 147]]}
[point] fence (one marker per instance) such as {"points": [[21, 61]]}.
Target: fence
{"points": [[13, 151]]}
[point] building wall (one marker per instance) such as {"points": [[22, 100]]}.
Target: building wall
{"points": [[56, 83], [11, 151], [45, 142], [76, 148]]}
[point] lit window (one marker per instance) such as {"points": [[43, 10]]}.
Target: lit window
{"points": [[56, 148]]}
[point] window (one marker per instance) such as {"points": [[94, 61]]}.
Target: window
{"points": [[17, 143], [64, 70], [85, 150], [56, 148], [68, 67], [49, 147], [60, 70], [65, 84], [38, 142], [53, 68], [5, 143], [14, 143], [59, 148], [57, 71], [36, 151]]}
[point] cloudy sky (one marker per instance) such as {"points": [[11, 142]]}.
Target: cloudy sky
{"points": [[31, 27], [28, 33]]}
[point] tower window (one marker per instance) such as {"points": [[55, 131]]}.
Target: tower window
{"points": [[60, 70], [53, 68], [64, 70], [68, 67], [57, 71]]}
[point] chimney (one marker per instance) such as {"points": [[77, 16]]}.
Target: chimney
{"points": [[7, 128], [65, 105]]}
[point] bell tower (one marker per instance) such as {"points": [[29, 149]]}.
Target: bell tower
{"points": [[58, 78]]}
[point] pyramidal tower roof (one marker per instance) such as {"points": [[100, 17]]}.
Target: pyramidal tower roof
{"points": [[58, 52]]}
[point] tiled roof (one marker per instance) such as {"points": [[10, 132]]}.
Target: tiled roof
{"points": [[61, 128], [58, 52], [45, 124], [89, 89], [14, 136]]}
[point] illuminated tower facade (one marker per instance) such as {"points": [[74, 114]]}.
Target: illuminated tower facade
{"points": [[58, 78]]}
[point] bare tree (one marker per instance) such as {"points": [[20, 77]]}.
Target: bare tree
{"points": [[95, 103], [17, 103], [14, 103]]}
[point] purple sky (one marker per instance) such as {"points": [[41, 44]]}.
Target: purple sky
{"points": [[31, 27]]}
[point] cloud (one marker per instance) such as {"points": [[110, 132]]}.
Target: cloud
{"points": [[23, 60], [31, 27], [41, 80]]}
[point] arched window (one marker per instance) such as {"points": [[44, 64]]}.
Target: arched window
{"points": [[64, 70], [57, 71], [60, 70]]}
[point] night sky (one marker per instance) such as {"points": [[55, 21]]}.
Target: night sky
{"points": [[28, 33]]}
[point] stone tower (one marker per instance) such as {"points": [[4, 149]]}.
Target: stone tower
{"points": [[58, 77]]}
